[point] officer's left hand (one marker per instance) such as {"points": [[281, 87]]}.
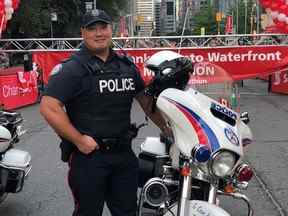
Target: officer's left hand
{"points": [[87, 144]]}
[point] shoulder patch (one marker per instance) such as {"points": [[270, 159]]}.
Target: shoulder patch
{"points": [[56, 69]]}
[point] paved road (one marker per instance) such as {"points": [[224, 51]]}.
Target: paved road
{"points": [[46, 192]]}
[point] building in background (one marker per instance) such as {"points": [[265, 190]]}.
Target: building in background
{"points": [[157, 15], [168, 16], [145, 18]]}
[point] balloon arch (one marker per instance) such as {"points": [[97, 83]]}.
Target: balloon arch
{"points": [[278, 9], [7, 8]]}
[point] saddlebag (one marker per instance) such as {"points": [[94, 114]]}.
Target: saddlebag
{"points": [[14, 167]]}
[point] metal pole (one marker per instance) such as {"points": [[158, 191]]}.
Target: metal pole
{"points": [[184, 27], [257, 17], [246, 11], [51, 28], [237, 17], [95, 4], [132, 18]]}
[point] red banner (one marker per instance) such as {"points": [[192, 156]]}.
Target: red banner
{"points": [[18, 88], [45, 62], [210, 64]]}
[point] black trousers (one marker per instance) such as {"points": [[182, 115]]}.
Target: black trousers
{"points": [[104, 177]]}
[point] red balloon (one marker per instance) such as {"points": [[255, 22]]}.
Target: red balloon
{"points": [[4, 25], [15, 4], [283, 9], [280, 25], [275, 6], [266, 3], [286, 29], [1, 5]]}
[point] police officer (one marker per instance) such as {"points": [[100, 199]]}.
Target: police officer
{"points": [[87, 102]]}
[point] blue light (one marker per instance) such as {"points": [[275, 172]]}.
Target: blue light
{"points": [[202, 153]]}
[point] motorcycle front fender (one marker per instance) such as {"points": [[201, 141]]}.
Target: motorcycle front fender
{"points": [[200, 208]]}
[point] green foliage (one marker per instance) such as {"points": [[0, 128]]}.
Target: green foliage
{"points": [[205, 18], [33, 19]]}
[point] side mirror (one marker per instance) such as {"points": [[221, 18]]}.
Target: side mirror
{"points": [[244, 116]]}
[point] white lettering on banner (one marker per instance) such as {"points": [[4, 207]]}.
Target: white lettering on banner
{"points": [[10, 91], [140, 59], [197, 81], [249, 56], [200, 70], [285, 77], [115, 85], [148, 72], [196, 58], [280, 78]]}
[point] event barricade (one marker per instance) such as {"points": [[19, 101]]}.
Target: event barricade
{"points": [[18, 88]]}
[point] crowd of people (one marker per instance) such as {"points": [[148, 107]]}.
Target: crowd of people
{"points": [[4, 60]]}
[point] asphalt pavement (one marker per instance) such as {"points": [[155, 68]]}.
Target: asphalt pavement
{"points": [[46, 192]]}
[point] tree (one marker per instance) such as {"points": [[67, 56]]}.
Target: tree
{"points": [[33, 17], [205, 18]]}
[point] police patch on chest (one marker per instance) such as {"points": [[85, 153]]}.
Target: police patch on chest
{"points": [[116, 85]]}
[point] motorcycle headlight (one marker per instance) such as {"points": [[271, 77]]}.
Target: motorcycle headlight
{"points": [[222, 163]]}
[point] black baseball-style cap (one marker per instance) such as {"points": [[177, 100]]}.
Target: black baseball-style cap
{"points": [[94, 16]]}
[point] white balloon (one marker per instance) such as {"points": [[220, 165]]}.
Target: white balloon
{"points": [[281, 17], [274, 14], [9, 10], [8, 16], [8, 3]]}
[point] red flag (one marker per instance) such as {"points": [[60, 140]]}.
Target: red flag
{"points": [[229, 25]]}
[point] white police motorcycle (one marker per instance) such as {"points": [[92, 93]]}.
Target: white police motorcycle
{"points": [[15, 164], [185, 176]]}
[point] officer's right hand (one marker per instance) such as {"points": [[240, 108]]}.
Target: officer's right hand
{"points": [[87, 144]]}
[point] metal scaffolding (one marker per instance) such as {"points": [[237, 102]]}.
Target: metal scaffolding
{"points": [[70, 44]]}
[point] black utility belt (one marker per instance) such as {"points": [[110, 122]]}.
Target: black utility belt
{"points": [[113, 144]]}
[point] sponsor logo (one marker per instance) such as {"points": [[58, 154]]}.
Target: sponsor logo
{"points": [[224, 110], [116, 85], [10, 91], [231, 136], [56, 69]]}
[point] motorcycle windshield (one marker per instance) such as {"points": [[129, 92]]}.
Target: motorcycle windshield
{"points": [[215, 82]]}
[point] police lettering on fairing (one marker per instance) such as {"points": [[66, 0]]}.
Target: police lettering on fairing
{"points": [[224, 110], [116, 85]]}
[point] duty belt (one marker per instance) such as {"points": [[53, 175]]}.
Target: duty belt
{"points": [[113, 145]]}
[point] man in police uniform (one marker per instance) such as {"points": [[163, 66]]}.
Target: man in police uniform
{"points": [[97, 86]]}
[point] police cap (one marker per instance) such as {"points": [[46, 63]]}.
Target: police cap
{"points": [[94, 16]]}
